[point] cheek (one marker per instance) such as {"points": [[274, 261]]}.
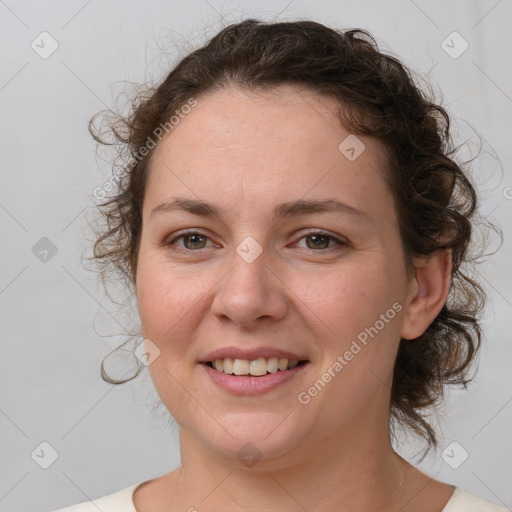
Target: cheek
{"points": [[169, 308], [354, 312], [345, 308], [166, 302], [348, 299]]}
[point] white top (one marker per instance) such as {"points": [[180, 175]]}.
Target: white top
{"points": [[121, 501]]}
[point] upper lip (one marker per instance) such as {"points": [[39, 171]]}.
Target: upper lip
{"points": [[250, 354]]}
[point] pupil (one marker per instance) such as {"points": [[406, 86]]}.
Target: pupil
{"points": [[317, 237], [194, 239]]}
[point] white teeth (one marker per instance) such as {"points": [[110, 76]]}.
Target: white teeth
{"points": [[227, 365], [241, 367], [272, 364], [256, 367]]}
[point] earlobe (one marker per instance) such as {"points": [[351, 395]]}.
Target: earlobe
{"points": [[428, 290]]}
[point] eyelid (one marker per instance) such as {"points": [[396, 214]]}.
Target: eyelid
{"points": [[338, 239], [181, 234], [317, 231]]}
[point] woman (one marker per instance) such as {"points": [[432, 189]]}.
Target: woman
{"points": [[296, 233]]}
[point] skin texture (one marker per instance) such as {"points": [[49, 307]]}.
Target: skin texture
{"points": [[246, 153]]}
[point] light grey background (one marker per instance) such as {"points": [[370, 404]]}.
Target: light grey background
{"points": [[56, 322]]}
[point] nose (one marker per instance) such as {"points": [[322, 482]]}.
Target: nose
{"points": [[250, 292]]}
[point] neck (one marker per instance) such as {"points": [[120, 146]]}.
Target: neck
{"points": [[362, 473]]}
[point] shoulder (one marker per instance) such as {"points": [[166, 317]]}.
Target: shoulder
{"points": [[464, 501], [114, 502]]}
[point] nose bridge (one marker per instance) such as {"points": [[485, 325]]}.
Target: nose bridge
{"points": [[249, 290]]}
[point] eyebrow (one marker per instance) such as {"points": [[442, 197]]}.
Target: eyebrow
{"points": [[282, 210]]}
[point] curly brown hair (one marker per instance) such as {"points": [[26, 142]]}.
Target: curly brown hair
{"points": [[434, 197]]}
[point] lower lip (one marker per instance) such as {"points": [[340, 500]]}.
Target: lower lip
{"points": [[249, 385]]}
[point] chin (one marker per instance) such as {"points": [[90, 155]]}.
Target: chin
{"points": [[257, 442]]}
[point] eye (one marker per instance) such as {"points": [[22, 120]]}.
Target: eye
{"points": [[321, 240], [192, 241]]}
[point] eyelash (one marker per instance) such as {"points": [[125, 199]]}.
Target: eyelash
{"points": [[312, 232]]}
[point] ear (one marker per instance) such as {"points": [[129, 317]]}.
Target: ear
{"points": [[427, 292]]}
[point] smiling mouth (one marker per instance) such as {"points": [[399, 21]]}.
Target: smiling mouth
{"points": [[254, 368]]}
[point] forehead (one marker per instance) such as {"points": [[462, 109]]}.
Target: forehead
{"points": [[246, 147]]}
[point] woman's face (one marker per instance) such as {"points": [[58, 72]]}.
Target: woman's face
{"points": [[252, 278]]}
